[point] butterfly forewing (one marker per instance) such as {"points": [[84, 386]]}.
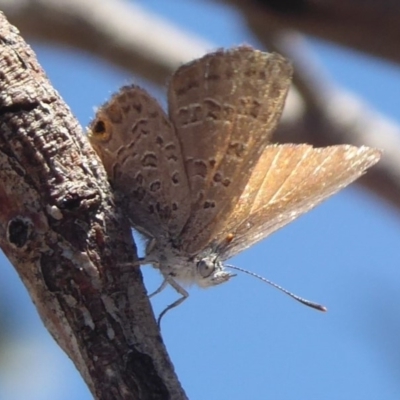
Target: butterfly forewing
{"points": [[140, 151], [224, 108], [288, 181]]}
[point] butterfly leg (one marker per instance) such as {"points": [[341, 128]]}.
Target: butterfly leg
{"points": [[140, 261], [178, 288], [144, 260], [160, 289]]}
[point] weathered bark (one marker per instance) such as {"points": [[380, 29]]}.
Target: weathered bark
{"points": [[61, 230]]}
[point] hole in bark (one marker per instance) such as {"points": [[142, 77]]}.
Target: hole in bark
{"points": [[18, 231]]}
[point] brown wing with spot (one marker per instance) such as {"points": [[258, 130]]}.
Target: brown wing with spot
{"points": [[141, 154], [224, 107], [288, 181]]}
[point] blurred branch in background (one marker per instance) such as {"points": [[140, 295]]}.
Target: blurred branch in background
{"points": [[115, 30], [369, 26], [129, 37]]}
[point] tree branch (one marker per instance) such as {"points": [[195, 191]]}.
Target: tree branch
{"points": [[369, 26], [61, 230]]}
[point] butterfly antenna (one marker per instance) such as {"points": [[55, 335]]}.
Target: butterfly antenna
{"points": [[292, 295]]}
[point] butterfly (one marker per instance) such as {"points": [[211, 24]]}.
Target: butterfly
{"points": [[205, 182]]}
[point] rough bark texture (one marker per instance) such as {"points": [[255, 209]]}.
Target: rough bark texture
{"points": [[62, 232]]}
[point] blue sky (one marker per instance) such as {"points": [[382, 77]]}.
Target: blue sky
{"points": [[245, 340]]}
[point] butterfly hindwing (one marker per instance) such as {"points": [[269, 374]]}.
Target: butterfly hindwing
{"points": [[142, 156]]}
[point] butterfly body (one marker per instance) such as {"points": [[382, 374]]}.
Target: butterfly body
{"points": [[204, 269]]}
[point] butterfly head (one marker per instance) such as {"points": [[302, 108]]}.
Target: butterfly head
{"points": [[210, 272]]}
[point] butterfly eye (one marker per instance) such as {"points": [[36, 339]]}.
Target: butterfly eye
{"points": [[205, 268]]}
